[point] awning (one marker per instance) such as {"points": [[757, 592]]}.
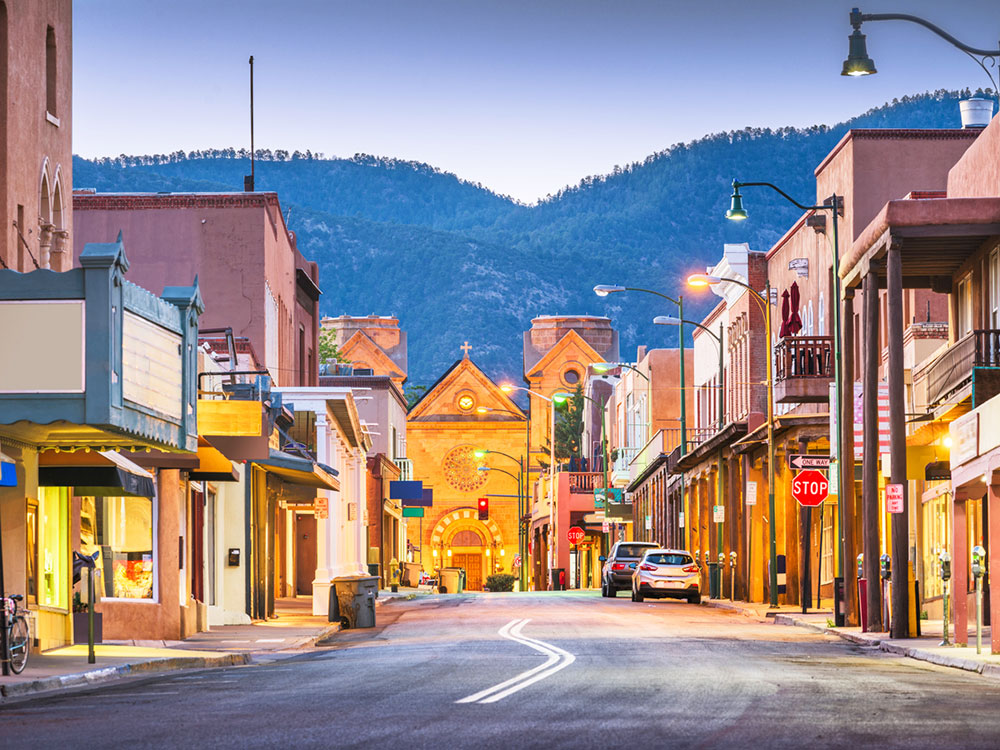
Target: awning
{"points": [[98, 473], [212, 465], [8, 471], [303, 471]]}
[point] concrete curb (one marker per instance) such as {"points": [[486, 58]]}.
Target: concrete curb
{"points": [[897, 649], [120, 672]]}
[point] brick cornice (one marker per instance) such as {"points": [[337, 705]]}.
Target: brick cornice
{"points": [[145, 201]]}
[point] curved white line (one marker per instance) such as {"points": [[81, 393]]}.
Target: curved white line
{"points": [[507, 631], [512, 631]]}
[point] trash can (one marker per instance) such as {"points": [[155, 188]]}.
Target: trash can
{"points": [[461, 580], [714, 580], [559, 579], [352, 601], [411, 574], [451, 581], [373, 570]]}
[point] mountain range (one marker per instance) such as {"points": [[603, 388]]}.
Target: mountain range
{"points": [[455, 261]]}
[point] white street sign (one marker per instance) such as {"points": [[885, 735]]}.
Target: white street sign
{"points": [[751, 493]]}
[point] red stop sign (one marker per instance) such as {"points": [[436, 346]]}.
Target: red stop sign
{"points": [[575, 535], [810, 487]]}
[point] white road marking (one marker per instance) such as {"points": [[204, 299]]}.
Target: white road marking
{"points": [[271, 640], [557, 659]]}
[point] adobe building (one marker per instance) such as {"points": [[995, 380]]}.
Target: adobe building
{"points": [[36, 161], [462, 412], [248, 265], [373, 343]]}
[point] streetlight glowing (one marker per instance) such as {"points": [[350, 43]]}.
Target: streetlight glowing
{"points": [[858, 63], [736, 211], [698, 280], [483, 410], [480, 453], [507, 387], [560, 397], [603, 290]]}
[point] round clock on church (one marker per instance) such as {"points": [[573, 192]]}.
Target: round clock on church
{"points": [[461, 469], [466, 402]]}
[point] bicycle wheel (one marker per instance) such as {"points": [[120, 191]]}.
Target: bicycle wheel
{"points": [[17, 644]]}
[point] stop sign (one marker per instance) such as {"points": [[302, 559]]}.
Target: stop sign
{"points": [[575, 535], [810, 487]]}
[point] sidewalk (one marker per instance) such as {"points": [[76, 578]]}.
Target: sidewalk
{"points": [[926, 647], [293, 629]]}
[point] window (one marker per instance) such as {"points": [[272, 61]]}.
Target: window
{"points": [[963, 307], [121, 528], [821, 328], [936, 533], [571, 376], [53, 547], [31, 552], [303, 375], [995, 288], [50, 71]]}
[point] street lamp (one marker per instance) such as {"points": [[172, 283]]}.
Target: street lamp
{"points": [[835, 206], [701, 280], [522, 509], [603, 290], [858, 63], [553, 519], [669, 320]]}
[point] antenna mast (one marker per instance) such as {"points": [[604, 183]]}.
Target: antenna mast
{"points": [[248, 181]]}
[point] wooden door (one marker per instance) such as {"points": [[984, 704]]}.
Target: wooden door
{"points": [[473, 570], [197, 545], [305, 560]]}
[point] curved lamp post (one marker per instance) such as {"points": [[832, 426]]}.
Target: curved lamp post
{"points": [[508, 388], [737, 212], [669, 320], [603, 290], [858, 63], [701, 280]]}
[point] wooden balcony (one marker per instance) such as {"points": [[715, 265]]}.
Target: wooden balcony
{"points": [[584, 483], [972, 360], [803, 369]]}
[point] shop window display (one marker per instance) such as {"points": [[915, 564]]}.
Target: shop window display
{"points": [[53, 547], [121, 529]]}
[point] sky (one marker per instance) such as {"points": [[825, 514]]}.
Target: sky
{"points": [[524, 96]]}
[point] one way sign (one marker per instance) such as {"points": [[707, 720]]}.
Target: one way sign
{"points": [[800, 461]]}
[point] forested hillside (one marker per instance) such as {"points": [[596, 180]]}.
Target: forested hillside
{"points": [[456, 261]]}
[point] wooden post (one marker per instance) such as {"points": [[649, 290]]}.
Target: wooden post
{"points": [[848, 548], [960, 568], [869, 475], [897, 444]]}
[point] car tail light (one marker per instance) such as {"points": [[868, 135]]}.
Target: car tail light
{"points": [[618, 566], [647, 566], [690, 569]]}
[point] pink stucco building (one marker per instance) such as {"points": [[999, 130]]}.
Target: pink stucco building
{"points": [[35, 137], [251, 274]]}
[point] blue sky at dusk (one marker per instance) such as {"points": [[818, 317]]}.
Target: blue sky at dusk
{"points": [[525, 96]]}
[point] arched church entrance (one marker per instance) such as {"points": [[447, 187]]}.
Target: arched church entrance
{"points": [[466, 542]]}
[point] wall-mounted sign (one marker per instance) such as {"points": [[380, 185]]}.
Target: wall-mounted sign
{"points": [[799, 265], [322, 507], [718, 514], [894, 498], [352, 511]]}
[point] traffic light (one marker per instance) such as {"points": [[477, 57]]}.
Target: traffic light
{"points": [[484, 508]]}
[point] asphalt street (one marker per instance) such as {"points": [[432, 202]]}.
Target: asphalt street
{"points": [[538, 670]]}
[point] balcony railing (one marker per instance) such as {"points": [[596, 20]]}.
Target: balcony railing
{"points": [[406, 468], [953, 369], [803, 366], [584, 483]]}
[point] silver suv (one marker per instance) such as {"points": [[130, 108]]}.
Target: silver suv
{"points": [[618, 566]]}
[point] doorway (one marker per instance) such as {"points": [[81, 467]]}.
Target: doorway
{"points": [[472, 562], [305, 559]]}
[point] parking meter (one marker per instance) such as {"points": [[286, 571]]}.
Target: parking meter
{"points": [[697, 557], [732, 559], [722, 559], [732, 576], [945, 561], [861, 565], [978, 569], [885, 567], [978, 561]]}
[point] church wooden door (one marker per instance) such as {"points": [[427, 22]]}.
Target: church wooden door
{"points": [[473, 570]]}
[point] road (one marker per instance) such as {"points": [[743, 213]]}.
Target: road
{"points": [[601, 673]]}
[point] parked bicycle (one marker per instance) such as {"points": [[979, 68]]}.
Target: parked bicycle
{"points": [[17, 634]]}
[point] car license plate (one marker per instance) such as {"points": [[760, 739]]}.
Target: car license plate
{"points": [[668, 584]]}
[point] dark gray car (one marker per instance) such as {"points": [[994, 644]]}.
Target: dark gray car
{"points": [[619, 565]]}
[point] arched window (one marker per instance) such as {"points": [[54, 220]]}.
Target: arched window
{"points": [[44, 201], [57, 204]]}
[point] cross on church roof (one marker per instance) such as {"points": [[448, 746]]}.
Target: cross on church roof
{"points": [[465, 349]]}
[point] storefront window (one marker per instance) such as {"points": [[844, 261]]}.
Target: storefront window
{"points": [[936, 539], [53, 547], [31, 552], [121, 528]]}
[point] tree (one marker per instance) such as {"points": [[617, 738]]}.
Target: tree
{"points": [[569, 427], [328, 350], [414, 393]]}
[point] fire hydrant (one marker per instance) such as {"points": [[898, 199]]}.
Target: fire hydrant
{"points": [[394, 580]]}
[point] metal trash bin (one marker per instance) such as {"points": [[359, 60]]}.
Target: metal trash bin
{"points": [[714, 580], [451, 581], [411, 574], [352, 601]]}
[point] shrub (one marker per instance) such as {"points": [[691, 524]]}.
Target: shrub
{"points": [[500, 582]]}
